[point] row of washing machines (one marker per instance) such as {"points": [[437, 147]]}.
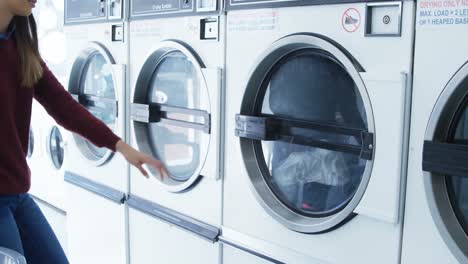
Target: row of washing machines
{"points": [[299, 131]]}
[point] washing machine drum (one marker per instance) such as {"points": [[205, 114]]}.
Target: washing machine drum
{"points": [[305, 126], [315, 88], [457, 188]]}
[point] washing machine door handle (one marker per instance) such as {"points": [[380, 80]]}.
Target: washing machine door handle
{"points": [[94, 103], [445, 158], [188, 223], [273, 128], [159, 113]]}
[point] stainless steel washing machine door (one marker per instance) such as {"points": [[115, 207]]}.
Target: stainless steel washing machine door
{"points": [[306, 133], [445, 164], [96, 85], [171, 113]]}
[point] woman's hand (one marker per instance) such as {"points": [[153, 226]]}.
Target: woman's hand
{"points": [[137, 159]]}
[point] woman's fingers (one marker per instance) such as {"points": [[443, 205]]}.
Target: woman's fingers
{"points": [[161, 176], [142, 170], [158, 166], [165, 171], [138, 159], [162, 169]]}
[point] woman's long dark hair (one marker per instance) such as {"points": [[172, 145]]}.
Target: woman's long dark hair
{"points": [[28, 50]]}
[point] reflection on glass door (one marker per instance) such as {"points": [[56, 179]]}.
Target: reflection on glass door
{"points": [[98, 87], [176, 83]]}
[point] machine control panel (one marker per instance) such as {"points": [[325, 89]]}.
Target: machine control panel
{"points": [[90, 11], [383, 19], [255, 4], [156, 8]]}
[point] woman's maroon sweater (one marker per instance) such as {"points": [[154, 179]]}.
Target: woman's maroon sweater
{"points": [[15, 118]]}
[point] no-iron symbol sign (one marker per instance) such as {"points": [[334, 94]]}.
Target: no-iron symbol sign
{"points": [[351, 20]]}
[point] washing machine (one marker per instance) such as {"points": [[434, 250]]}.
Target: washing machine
{"points": [[35, 153], [96, 178], [48, 152], [47, 180], [177, 60], [317, 121], [436, 213], [47, 147]]}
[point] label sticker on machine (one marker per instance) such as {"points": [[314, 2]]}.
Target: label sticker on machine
{"points": [[442, 13], [264, 20], [84, 10], [351, 20], [140, 8], [149, 28]]}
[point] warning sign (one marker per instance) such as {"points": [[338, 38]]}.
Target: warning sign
{"points": [[351, 20], [442, 12]]}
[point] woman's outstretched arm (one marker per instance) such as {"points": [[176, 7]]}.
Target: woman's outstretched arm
{"points": [[76, 118]]}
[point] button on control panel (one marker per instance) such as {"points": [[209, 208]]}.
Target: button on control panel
{"points": [[206, 5], [115, 9], [102, 7]]}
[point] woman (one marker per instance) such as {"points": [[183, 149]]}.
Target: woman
{"points": [[24, 76]]}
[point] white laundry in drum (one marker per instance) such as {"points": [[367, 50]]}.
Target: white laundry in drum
{"points": [[8, 256], [318, 167]]}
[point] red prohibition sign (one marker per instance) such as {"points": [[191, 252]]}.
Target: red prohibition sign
{"points": [[351, 20]]}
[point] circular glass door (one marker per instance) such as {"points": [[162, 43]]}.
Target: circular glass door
{"points": [[305, 134], [92, 84], [172, 97], [31, 143], [55, 147], [445, 162]]}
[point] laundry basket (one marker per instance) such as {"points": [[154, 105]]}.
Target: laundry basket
{"points": [[8, 256]]}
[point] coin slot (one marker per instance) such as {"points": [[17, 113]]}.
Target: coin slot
{"points": [[209, 29], [383, 20]]}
